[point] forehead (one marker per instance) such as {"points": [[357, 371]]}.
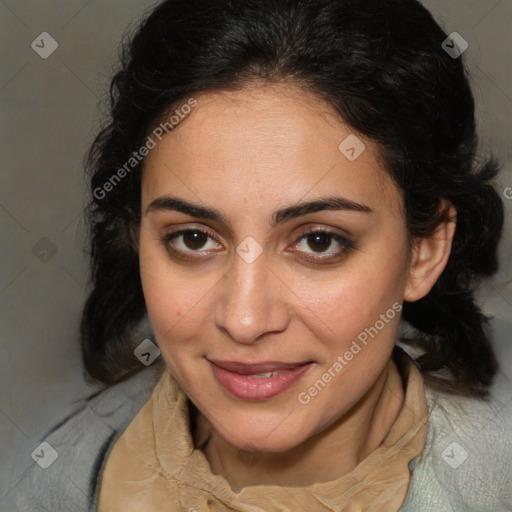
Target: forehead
{"points": [[275, 142]]}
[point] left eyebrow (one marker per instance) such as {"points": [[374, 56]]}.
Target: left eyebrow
{"points": [[167, 203], [327, 203]]}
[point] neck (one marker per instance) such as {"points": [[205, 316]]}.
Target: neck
{"points": [[328, 455]]}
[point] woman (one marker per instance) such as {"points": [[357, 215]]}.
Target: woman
{"points": [[283, 184]]}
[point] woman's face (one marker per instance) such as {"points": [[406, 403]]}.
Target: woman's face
{"points": [[248, 285]]}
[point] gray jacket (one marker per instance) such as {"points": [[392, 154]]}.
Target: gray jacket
{"points": [[466, 465]]}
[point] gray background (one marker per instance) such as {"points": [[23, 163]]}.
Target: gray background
{"points": [[50, 112]]}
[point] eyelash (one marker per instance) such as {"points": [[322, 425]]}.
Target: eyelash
{"points": [[346, 244]]}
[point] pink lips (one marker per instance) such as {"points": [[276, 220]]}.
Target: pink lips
{"points": [[240, 379]]}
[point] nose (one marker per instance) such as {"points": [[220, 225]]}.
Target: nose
{"points": [[253, 302]]}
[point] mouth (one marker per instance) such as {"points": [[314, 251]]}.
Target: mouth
{"points": [[257, 381]]}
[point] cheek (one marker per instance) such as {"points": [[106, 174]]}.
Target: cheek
{"points": [[350, 322], [167, 293], [354, 298], [362, 303], [170, 303]]}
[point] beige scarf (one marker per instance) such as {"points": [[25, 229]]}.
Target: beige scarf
{"points": [[154, 466]]}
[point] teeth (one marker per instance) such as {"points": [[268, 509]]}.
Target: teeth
{"points": [[262, 375]]}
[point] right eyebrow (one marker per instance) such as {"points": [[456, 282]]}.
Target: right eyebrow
{"points": [[166, 203]]}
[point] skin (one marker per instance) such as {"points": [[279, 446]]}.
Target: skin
{"points": [[248, 153]]}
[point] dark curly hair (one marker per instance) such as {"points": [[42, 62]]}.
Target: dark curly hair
{"points": [[381, 65]]}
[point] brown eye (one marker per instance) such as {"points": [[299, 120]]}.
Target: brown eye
{"points": [[183, 244], [194, 240], [319, 241]]}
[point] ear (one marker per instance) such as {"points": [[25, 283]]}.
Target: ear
{"points": [[430, 256]]}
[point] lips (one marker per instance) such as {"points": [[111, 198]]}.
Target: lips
{"points": [[257, 381], [252, 369]]}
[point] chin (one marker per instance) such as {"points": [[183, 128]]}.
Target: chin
{"points": [[271, 439]]}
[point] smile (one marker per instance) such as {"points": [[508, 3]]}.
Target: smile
{"points": [[257, 381]]}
